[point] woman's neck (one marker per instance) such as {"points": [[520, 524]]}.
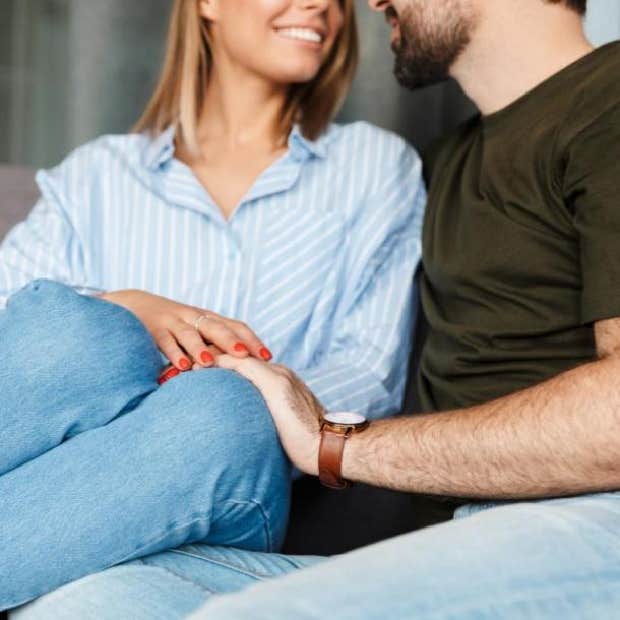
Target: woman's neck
{"points": [[241, 109]]}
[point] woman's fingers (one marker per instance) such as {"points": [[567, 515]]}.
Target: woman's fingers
{"points": [[183, 332], [169, 346], [255, 345], [232, 337], [168, 373], [191, 341], [217, 331]]}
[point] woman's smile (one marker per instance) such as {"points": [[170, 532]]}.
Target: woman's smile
{"points": [[309, 37]]}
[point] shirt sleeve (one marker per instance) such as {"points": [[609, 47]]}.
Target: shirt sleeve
{"points": [[365, 368], [593, 193], [45, 245]]}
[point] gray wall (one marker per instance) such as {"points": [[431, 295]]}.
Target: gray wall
{"points": [[73, 69]]}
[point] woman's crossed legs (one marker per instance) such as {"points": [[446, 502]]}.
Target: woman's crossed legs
{"points": [[98, 465]]}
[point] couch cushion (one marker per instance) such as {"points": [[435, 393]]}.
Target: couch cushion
{"points": [[18, 194]]}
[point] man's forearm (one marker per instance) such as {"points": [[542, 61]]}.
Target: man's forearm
{"points": [[557, 438]]}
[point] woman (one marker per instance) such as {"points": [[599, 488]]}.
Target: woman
{"points": [[236, 198]]}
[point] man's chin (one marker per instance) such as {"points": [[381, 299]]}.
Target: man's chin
{"points": [[415, 77]]}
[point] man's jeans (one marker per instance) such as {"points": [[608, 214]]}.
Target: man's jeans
{"points": [[556, 559], [99, 465]]}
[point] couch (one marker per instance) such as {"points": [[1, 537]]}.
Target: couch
{"points": [[323, 521]]}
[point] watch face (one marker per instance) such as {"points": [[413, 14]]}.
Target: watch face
{"points": [[345, 418]]}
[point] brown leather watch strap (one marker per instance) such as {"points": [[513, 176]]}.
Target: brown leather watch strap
{"points": [[331, 450]]}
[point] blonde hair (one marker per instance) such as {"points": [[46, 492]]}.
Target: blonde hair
{"points": [[184, 78]]}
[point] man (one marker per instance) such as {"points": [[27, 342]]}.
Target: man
{"points": [[521, 288]]}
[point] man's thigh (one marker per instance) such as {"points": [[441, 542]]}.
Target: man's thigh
{"points": [[549, 559], [165, 586]]}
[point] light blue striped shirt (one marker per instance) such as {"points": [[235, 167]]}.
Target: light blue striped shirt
{"points": [[318, 258]]}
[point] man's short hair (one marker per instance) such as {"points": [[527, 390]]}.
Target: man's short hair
{"points": [[576, 5]]}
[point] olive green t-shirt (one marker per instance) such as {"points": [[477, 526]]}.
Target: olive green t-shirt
{"points": [[521, 244]]}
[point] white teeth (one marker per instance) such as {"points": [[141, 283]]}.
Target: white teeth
{"points": [[303, 34]]}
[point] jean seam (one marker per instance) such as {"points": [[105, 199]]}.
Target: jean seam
{"points": [[229, 565], [175, 525], [263, 514], [225, 564], [181, 577], [58, 592], [134, 555]]}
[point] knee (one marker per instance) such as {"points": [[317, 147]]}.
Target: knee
{"points": [[212, 438], [66, 333], [222, 403], [220, 412]]}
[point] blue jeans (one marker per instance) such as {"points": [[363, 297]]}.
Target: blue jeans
{"points": [[99, 465], [537, 560]]}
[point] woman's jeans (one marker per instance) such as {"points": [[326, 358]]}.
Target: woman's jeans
{"points": [[100, 465]]}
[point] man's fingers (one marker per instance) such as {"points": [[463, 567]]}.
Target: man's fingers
{"points": [[259, 373], [234, 363]]}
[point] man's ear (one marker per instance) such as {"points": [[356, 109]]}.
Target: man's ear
{"points": [[209, 9]]}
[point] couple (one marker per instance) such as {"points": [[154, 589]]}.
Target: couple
{"points": [[253, 206]]}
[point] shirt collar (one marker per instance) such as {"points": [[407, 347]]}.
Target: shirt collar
{"points": [[300, 145], [161, 149]]}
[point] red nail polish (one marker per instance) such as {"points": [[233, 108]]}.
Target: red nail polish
{"points": [[265, 354], [171, 373], [206, 357], [241, 348], [185, 364]]}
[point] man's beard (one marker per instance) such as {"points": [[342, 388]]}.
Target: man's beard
{"points": [[429, 45]]}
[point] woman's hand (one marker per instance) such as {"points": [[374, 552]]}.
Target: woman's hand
{"points": [[189, 337]]}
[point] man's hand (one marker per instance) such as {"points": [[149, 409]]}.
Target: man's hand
{"points": [[294, 408]]}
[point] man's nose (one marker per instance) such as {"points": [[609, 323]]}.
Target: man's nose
{"points": [[378, 5], [321, 5]]}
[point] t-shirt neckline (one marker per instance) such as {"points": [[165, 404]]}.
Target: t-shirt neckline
{"points": [[492, 119]]}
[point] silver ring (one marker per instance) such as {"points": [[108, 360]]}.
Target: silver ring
{"points": [[199, 319]]}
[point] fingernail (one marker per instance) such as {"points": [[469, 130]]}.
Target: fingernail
{"points": [[265, 354], [185, 364], [241, 348], [173, 372], [206, 357]]}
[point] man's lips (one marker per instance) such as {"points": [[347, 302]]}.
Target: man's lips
{"points": [[391, 17]]}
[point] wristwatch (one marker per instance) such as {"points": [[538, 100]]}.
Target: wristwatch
{"points": [[336, 428]]}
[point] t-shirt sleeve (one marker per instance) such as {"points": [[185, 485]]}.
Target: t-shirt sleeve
{"points": [[592, 190]]}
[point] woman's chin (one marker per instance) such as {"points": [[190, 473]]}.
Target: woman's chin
{"points": [[300, 75]]}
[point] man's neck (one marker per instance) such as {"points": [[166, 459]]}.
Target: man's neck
{"points": [[515, 47]]}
